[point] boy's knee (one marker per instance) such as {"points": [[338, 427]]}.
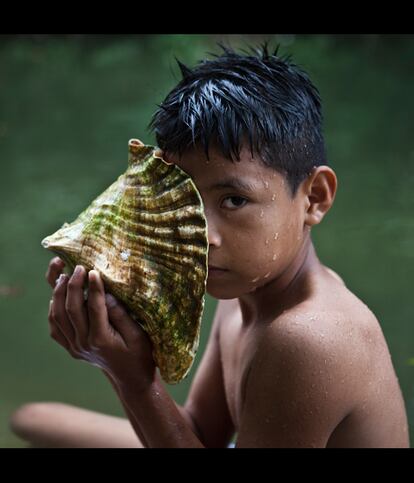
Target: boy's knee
{"points": [[30, 416]]}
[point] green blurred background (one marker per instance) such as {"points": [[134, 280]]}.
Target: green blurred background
{"points": [[69, 105]]}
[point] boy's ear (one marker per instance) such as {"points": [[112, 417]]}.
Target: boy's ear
{"points": [[320, 189]]}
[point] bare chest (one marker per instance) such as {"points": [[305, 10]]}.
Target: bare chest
{"points": [[237, 347]]}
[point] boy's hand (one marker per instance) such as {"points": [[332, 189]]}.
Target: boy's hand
{"points": [[99, 330]]}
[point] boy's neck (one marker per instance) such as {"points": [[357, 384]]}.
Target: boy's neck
{"points": [[264, 303]]}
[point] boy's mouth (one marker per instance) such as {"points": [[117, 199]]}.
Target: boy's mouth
{"points": [[216, 270]]}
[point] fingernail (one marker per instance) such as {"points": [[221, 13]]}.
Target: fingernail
{"points": [[78, 270], [93, 276], [110, 300]]}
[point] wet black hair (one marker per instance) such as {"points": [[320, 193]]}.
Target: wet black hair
{"points": [[255, 98]]}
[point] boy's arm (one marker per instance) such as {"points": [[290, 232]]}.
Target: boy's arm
{"points": [[103, 334], [156, 418], [134, 423], [205, 410], [292, 396], [206, 402]]}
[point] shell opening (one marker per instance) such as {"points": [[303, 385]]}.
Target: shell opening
{"points": [[135, 142]]}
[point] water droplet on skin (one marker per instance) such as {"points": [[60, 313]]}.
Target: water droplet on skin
{"points": [[266, 184], [261, 214], [274, 256], [276, 236], [255, 279], [267, 274], [274, 197], [267, 242]]}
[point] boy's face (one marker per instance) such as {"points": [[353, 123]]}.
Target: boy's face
{"points": [[253, 234]]}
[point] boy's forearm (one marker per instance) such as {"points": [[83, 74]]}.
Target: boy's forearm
{"points": [[157, 419], [134, 422]]}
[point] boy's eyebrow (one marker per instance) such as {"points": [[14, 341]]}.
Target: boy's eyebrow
{"points": [[235, 183]]}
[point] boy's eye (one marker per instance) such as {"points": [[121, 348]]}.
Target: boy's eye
{"points": [[235, 202]]}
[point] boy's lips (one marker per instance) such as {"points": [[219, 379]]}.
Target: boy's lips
{"points": [[216, 271]]}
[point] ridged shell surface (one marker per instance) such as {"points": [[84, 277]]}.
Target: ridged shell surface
{"points": [[147, 236]]}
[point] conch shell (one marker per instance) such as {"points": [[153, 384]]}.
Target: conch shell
{"points": [[147, 237]]}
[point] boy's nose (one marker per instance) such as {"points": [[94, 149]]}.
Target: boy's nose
{"points": [[214, 238], [213, 235]]}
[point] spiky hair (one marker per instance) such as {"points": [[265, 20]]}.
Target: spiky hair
{"points": [[258, 99]]}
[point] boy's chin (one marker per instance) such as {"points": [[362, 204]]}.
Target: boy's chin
{"points": [[221, 293]]}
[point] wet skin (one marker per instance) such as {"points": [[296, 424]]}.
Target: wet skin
{"points": [[260, 234], [303, 361]]}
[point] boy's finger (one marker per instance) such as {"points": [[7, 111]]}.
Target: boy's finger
{"points": [[55, 268], [57, 335], [98, 315], [75, 306], [58, 309], [54, 331]]}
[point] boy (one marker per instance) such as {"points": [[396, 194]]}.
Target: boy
{"points": [[294, 359]]}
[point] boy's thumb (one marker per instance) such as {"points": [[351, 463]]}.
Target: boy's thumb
{"points": [[111, 301], [118, 316]]}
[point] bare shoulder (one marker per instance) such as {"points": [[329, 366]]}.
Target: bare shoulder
{"points": [[294, 391], [314, 340], [332, 331], [334, 274], [316, 364]]}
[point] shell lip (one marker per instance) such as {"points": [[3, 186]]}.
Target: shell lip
{"points": [[135, 142], [158, 153], [135, 146], [138, 150]]}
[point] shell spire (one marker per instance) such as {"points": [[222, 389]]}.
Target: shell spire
{"points": [[146, 234]]}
